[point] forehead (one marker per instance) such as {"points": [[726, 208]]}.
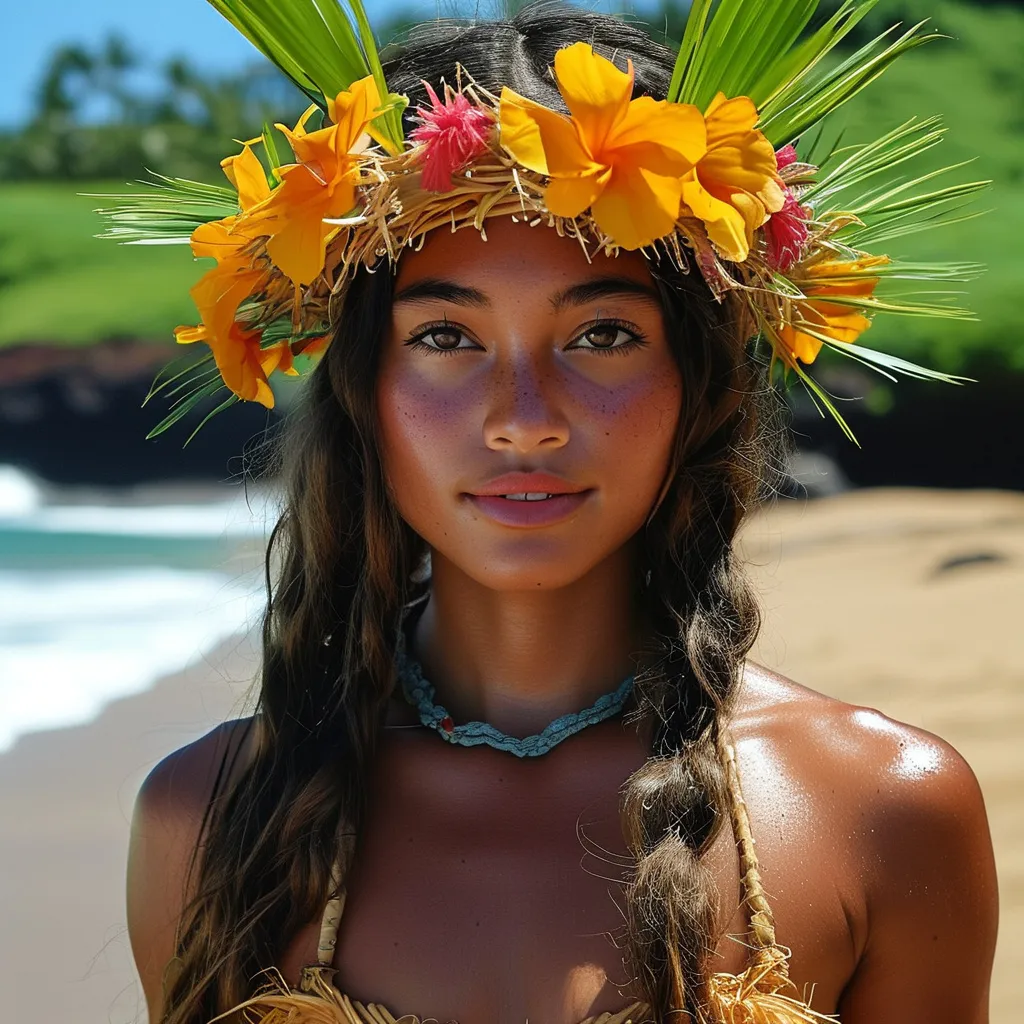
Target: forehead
{"points": [[514, 257]]}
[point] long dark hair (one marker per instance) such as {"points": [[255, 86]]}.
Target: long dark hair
{"points": [[339, 565]]}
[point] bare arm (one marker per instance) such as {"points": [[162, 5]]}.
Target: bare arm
{"points": [[165, 829], [930, 881]]}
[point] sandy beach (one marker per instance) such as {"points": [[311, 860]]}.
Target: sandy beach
{"points": [[66, 800], [906, 601]]}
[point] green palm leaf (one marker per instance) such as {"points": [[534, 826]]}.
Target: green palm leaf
{"points": [[731, 51], [815, 94], [186, 403], [787, 69], [170, 379], [888, 364], [823, 401], [323, 46], [853, 165], [859, 182], [166, 212], [760, 49]]}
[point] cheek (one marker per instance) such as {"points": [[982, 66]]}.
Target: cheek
{"points": [[423, 431], [635, 428]]}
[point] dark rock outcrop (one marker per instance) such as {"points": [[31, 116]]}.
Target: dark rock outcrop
{"points": [[75, 416]]}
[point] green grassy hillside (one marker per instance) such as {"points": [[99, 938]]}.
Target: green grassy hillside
{"points": [[58, 284], [975, 82]]}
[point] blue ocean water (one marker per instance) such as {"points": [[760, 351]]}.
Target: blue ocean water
{"points": [[99, 600]]}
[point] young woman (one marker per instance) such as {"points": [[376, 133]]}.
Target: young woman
{"points": [[506, 707]]}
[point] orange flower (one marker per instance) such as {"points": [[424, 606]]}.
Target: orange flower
{"points": [[835, 320], [243, 365], [735, 185], [226, 239], [246, 173], [625, 159], [217, 295], [322, 184]]}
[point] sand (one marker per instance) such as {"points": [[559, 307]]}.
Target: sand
{"points": [[907, 601], [912, 602], [66, 800]]}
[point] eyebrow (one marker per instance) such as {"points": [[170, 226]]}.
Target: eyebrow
{"points": [[602, 288], [436, 289], [433, 288]]}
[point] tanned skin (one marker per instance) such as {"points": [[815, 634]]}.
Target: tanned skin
{"points": [[474, 898]]}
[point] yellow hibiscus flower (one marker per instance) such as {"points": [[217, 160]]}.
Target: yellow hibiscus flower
{"points": [[735, 186], [625, 159], [835, 320], [322, 184], [246, 174]]}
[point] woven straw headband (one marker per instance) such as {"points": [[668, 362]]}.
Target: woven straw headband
{"points": [[715, 178]]}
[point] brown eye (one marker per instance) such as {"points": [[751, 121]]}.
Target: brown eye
{"points": [[442, 338], [604, 336], [607, 337]]}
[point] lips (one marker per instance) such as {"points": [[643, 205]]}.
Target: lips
{"points": [[528, 499], [537, 512], [526, 484]]}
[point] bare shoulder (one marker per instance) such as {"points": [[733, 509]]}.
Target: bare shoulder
{"points": [[179, 787], [166, 826], [899, 815], [885, 766]]}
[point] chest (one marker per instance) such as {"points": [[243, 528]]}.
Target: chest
{"points": [[486, 889]]}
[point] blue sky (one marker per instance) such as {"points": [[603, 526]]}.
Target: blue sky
{"points": [[157, 29]]}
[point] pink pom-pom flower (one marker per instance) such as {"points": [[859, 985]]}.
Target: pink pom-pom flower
{"points": [[786, 156], [786, 231], [453, 134], [786, 234]]}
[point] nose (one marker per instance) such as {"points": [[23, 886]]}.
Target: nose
{"points": [[525, 411]]}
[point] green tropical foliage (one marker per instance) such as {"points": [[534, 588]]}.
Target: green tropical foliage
{"points": [[323, 46], [57, 283], [179, 125]]}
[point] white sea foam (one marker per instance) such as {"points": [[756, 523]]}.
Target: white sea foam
{"points": [[20, 495], [220, 519], [23, 507], [71, 641]]}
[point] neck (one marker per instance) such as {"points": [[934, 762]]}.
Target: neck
{"points": [[520, 659]]}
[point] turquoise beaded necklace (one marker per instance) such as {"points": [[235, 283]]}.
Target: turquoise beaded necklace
{"points": [[420, 693]]}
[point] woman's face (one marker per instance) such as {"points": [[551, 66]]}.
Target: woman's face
{"points": [[528, 402]]}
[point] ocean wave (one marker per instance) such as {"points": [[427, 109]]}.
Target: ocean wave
{"points": [[71, 642], [20, 494], [24, 506], [219, 519]]}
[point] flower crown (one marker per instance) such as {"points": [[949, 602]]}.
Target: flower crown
{"points": [[709, 178]]}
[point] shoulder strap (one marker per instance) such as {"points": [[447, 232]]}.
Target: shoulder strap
{"points": [[762, 923], [322, 971], [331, 919]]}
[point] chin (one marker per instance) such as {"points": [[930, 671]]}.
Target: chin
{"points": [[528, 563]]}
